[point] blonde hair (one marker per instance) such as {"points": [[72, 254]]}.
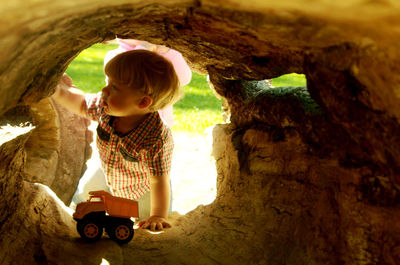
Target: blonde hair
{"points": [[149, 73]]}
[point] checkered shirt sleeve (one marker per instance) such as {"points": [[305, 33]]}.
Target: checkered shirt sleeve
{"points": [[94, 106], [160, 162]]}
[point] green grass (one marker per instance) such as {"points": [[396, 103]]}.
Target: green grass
{"points": [[199, 108], [87, 68], [295, 80]]}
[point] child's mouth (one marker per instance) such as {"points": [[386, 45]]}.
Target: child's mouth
{"points": [[105, 102]]}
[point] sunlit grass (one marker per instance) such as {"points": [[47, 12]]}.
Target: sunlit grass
{"points": [[295, 80], [87, 68], [199, 108]]}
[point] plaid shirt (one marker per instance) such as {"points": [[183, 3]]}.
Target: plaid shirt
{"points": [[128, 161]]}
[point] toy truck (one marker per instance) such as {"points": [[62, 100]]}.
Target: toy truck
{"points": [[104, 211]]}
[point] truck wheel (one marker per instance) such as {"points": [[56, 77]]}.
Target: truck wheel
{"points": [[121, 232], [89, 230]]}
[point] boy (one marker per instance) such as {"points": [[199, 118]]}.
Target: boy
{"points": [[135, 146]]}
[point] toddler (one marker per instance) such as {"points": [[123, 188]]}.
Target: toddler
{"points": [[135, 146]]}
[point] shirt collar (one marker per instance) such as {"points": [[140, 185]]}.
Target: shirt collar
{"points": [[137, 135]]}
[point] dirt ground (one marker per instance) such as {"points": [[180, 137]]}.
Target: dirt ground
{"points": [[193, 172]]}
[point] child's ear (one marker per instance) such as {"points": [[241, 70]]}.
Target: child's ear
{"points": [[145, 102]]}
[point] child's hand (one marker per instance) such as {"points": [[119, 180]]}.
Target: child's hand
{"points": [[65, 81], [154, 223]]}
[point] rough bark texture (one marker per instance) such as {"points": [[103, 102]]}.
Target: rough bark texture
{"points": [[305, 175], [75, 139], [57, 149]]}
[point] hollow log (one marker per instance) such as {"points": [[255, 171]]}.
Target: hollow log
{"points": [[307, 175]]}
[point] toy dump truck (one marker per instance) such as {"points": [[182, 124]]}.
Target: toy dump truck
{"points": [[102, 210]]}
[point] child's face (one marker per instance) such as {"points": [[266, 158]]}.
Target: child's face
{"points": [[121, 101]]}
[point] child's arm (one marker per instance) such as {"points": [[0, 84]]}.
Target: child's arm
{"points": [[160, 196], [70, 97]]}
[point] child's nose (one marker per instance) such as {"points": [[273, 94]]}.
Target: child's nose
{"points": [[105, 90]]}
